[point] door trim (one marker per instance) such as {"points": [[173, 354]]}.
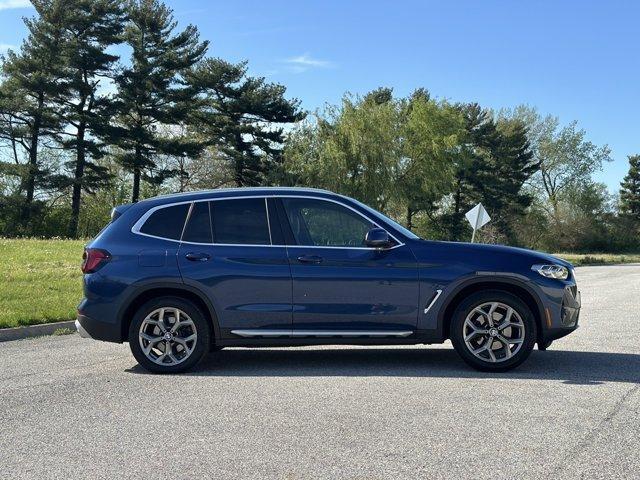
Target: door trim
{"points": [[138, 224]]}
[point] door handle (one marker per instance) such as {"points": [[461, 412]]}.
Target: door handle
{"points": [[310, 259], [197, 257]]}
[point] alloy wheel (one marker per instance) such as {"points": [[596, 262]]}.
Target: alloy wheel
{"points": [[493, 332], [167, 336]]}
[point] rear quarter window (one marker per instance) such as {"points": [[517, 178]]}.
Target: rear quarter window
{"points": [[166, 222]]}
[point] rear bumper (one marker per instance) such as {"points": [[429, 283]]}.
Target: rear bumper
{"points": [[83, 333], [98, 330]]}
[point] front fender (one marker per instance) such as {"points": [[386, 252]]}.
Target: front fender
{"points": [[438, 316]]}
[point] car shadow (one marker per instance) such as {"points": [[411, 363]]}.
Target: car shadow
{"points": [[572, 367]]}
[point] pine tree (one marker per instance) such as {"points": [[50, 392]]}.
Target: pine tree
{"points": [[91, 27], [239, 114], [31, 79], [494, 163], [468, 167], [507, 168], [151, 91], [630, 190]]}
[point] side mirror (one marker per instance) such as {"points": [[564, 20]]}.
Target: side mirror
{"points": [[377, 238]]}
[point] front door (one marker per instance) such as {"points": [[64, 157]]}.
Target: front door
{"points": [[339, 284], [228, 251]]}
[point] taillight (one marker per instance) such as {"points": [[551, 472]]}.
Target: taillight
{"points": [[93, 259]]}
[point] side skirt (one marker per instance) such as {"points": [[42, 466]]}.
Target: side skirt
{"points": [[285, 338], [262, 333]]}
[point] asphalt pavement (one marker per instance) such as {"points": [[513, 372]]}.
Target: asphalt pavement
{"points": [[75, 408]]}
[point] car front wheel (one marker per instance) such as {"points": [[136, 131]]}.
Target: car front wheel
{"points": [[169, 335], [493, 331]]}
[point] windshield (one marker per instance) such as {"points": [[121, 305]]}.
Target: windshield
{"points": [[406, 232]]}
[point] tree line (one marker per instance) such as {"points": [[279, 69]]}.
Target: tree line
{"points": [[68, 100], [108, 102], [426, 162]]}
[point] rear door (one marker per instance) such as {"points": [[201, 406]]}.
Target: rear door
{"points": [[339, 284], [230, 251]]}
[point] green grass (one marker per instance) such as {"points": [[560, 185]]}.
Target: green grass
{"points": [[40, 282], [599, 258]]}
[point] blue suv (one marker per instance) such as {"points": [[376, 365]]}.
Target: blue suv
{"points": [[180, 275]]}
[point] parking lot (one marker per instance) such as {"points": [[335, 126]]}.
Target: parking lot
{"points": [[74, 408]]}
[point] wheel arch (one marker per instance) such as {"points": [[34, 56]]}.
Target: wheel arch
{"points": [[148, 292], [513, 286]]}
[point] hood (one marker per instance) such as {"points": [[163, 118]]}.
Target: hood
{"points": [[486, 255]]}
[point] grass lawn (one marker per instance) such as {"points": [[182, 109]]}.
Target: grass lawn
{"points": [[41, 280], [599, 258]]}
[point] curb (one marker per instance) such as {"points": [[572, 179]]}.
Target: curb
{"points": [[18, 333]]}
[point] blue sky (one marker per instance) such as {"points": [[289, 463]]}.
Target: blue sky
{"points": [[579, 60]]}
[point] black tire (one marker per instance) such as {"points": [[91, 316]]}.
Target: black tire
{"points": [[200, 323], [477, 299]]}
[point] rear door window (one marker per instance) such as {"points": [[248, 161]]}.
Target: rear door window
{"points": [[198, 229], [166, 222], [242, 221]]}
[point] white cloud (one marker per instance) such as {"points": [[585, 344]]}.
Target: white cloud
{"points": [[7, 4], [305, 62]]}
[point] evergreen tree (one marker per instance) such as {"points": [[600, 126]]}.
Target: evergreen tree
{"points": [[502, 180], [469, 165], [91, 27], [31, 79], [151, 91], [239, 113], [494, 163], [630, 190]]}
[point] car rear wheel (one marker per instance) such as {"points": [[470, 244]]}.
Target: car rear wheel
{"points": [[169, 335], [493, 331]]}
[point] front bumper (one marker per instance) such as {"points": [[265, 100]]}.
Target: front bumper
{"points": [[569, 315]]}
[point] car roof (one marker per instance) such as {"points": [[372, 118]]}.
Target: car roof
{"points": [[230, 192]]}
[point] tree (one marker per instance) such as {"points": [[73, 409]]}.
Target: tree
{"points": [[509, 167], [630, 190], [152, 92], [31, 79], [91, 27], [585, 217], [354, 149], [242, 117], [432, 132], [492, 165], [564, 155]]}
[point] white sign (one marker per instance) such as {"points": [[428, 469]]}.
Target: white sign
{"points": [[477, 217]]}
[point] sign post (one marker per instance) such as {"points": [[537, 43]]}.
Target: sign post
{"points": [[477, 217]]}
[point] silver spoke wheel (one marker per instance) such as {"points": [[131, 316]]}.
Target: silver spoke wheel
{"points": [[167, 336], [493, 332]]}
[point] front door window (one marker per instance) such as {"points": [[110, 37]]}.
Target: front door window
{"points": [[319, 223]]}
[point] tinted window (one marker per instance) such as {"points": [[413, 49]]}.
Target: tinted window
{"points": [[166, 222], [321, 223], [242, 221], [198, 227]]}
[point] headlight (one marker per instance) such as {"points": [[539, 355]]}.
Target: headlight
{"points": [[552, 271]]}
